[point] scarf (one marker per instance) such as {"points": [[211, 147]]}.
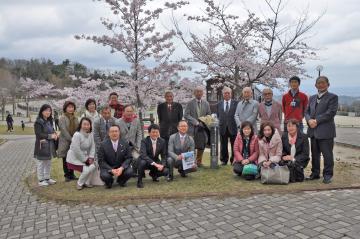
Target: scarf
{"points": [[246, 148], [268, 103], [292, 140], [72, 124]]}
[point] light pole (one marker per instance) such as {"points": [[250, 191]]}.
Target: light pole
{"points": [[319, 68]]}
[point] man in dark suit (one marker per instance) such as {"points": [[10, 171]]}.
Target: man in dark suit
{"points": [[101, 126], [169, 113], [152, 147], [320, 115], [114, 156], [227, 125]]}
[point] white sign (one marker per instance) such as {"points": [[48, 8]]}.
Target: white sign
{"points": [[188, 161]]}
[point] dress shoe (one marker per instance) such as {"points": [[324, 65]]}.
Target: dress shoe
{"points": [[327, 179], [169, 179], [67, 179], [140, 184], [108, 186], [88, 185], [155, 179], [183, 174], [313, 177], [223, 163]]}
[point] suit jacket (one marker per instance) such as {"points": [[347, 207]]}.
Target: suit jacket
{"points": [[175, 148], [275, 114], [192, 116], [146, 151], [99, 129], [227, 120], [248, 113], [301, 145], [168, 120], [133, 135], [324, 112], [109, 159]]}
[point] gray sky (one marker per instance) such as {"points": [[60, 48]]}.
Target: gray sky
{"points": [[46, 28]]}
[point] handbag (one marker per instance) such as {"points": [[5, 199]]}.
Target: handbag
{"points": [[250, 169], [275, 175]]}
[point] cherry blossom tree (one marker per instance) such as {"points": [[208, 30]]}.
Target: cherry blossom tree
{"points": [[134, 32], [252, 51], [35, 88]]}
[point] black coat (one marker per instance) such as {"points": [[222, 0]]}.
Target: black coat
{"points": [[168, 120], [227, 120], [301, 145], [44, 145], [146, 151], [109, 159]]}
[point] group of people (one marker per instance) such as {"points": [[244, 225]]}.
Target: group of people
{"points": [[110, 146], [271, 146]]}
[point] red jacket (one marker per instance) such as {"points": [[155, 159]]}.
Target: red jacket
{"points": [[238, 148], [297, 111]]}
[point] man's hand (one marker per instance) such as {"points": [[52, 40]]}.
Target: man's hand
{"points": [[180, 157], [117, 171], [245, 161], [312, 123]]}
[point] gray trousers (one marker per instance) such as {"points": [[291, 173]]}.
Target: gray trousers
{"points": [[43, 169]]}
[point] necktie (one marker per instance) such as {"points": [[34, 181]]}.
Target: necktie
{"points": [[115, 147], [182, 140], [107, 125], [154, 147], [198, 108], [227, 107], [169, 107]]}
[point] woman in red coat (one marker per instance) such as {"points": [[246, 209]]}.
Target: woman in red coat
{"points": [[246, 149]]}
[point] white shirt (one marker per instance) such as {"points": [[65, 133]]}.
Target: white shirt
{"points": [[225, 104], [115, 144]]}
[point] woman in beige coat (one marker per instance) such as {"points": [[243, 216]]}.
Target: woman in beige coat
{"points": [[68, 123], [270, 145]]}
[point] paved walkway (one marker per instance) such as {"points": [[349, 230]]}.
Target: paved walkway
{"points": [[333, 214]]}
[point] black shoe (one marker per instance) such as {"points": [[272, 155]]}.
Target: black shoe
{"points": [[108, 186], [313, 177], [155, 179], [327, 179], [169, 179], [140, 184], [122, 184], [67, 179], [223, 163], [183, 174]]}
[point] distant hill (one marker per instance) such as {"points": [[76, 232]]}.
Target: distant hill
{"points": [[343, 99]]}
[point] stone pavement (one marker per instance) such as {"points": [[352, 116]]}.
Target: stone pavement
{"points": [[331, 214]]}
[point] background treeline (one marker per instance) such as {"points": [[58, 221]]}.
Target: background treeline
{"points": [[56, 74]]}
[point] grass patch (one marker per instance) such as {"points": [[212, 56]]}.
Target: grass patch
{"points": [[17, 130], [206, 182], [2, 141]]}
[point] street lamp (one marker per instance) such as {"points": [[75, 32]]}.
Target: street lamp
{"points": [[319, 68]]}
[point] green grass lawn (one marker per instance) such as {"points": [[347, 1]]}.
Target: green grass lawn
{"points": [[17, 130], [205, 182]]}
